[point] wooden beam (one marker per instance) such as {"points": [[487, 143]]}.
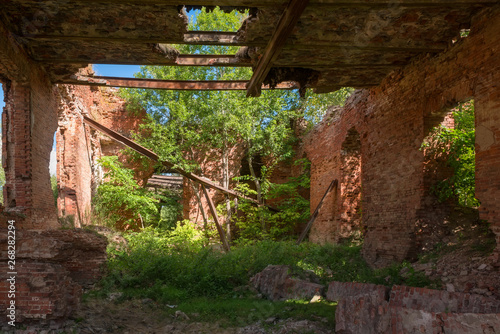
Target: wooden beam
{"points": [[212, 38], [334, 184], [225, 38], [213, 211], [285, 26], [168, 84], [275, 3], [229, 39], [212, 60]]}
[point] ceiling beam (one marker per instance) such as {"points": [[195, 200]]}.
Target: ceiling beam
{"points": [[274, 3], [223, 38], [284, 29], [168, 84], [218, 38], [212, 60], [212, 38], [223, 61]]}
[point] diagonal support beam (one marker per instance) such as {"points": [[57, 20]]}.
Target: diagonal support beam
{"points": [[168, 84], [334, 184], [213, 211], [287, 22], [153, 156]]}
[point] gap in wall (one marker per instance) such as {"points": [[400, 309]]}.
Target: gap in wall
{"points": [[451, 145], [2, 173], [53, 169], [351, 228]]}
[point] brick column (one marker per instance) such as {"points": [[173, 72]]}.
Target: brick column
{"points": [[25, 156], [488, 154]]}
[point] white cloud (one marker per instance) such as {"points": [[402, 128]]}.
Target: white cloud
{"points": [[53, 162]]}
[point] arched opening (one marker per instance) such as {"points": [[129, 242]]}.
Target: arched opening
{"points": [[449, 204], [449, 153], [350, 210]]}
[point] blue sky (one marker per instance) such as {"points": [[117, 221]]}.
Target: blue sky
{"points": [[103, 70], [126, 71]]}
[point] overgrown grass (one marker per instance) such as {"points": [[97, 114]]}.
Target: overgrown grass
{"points": [[169, 271], [244, 311], [178, 268]]}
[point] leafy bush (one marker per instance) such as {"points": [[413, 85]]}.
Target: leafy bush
{"points": [[170, 210], [459, 143], [260, 222], [156, 267], [121, 201]]}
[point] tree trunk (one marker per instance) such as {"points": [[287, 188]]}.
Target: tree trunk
{"points": [[225, 184], [258, 189], [255, 179]]}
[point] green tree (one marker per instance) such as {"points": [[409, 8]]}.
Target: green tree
{"points": [[184, 123], [121, 201]]}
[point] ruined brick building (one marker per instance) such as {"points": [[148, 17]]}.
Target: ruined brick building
{"points": [[406, 58]]}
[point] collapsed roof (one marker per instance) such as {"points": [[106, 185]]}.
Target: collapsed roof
{"points": [[321, 44]]}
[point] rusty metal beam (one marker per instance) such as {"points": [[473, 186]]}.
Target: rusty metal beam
{"points": [[284, 29], [168, 84]]}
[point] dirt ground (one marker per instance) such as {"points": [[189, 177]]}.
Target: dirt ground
{"points": [[98, 316]]}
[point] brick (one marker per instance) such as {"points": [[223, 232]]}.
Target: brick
{"points": [[397, 211], [79, 148]]}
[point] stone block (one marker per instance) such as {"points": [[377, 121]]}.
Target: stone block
{"points": [[275, 283]]}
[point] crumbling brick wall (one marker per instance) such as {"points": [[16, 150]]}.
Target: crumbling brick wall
{"points": [[51, 265], [369, 308], [392, 120], [79, 147], [28, 127]]}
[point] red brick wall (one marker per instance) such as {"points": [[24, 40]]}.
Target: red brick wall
{"points": [[392, 120], [28, 125], [51, 265], [79, 147], [369, 308]]}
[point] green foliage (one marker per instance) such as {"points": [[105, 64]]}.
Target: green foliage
{"points": [[120, 199], [55, 190], [259, 222], [459, 143], [241, 310], [160, 266], [183, 123], [170, 210]]}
